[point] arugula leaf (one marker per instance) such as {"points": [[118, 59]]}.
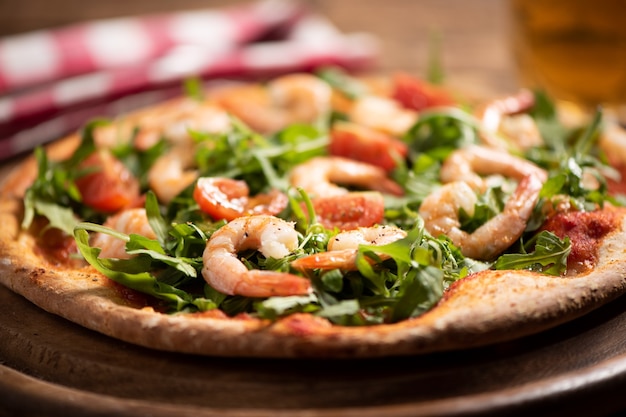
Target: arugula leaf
{"points": [[439, 132], [140, 281], [489, 204], [274, 307], [567, 177], [339, 80], [59, 217], [421, 292], [155, 219], [137, 244], [340, 309], [549, 257], [54, 194], [551, 129], [139, 161], [424, 266], [260, 161]]}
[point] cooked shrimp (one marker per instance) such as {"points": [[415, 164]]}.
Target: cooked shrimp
{"points": [[172, 120], [225, 198], [467, 163], [343, 248], [440, 211], [504, 125], [173, 172], [318, 177], [294, 98], [613, 142], [273, 237], [130, 221], [304, 97], [382, 113], [522, 131]]}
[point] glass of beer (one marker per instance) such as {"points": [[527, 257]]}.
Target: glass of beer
{"points": [[575, 50]]}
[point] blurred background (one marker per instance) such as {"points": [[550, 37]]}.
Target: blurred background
{"points": [[473, 34]]}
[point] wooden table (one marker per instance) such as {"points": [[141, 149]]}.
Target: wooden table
{"points": [[48, 364]]}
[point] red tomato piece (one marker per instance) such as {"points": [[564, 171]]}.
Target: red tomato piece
{"points": [[417, 94], [109, 186], [366, 145], [227, 199], [351, 210]]}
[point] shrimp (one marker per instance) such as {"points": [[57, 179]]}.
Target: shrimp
{"points": [[440, 213], [294, 98], [318, 176], [172, 120], [383, 114], [172, 172], [504, 124], [343, 248], [128, 221], [613, 142], [467, 163], [273, 237], [225, 198], [304, 97]]}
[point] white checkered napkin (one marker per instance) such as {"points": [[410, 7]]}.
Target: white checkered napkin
{"points": [[44, 56]]}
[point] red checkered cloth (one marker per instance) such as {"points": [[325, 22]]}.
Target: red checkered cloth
{"points": [[53, 81]]}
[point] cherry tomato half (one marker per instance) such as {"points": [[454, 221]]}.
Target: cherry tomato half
{"points": [[227, 199], [417, 94], [108, 186], [351, 210], [366, 145]]}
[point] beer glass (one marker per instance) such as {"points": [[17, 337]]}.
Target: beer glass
{"points": [[573, 49]]}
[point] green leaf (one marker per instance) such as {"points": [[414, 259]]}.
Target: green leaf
{"points": [[140, 281], [333, 280], [59, 217], [342, 308], [155, 219], [549, 257], [54, 194], [274, 307], [424, 289], [339, 80], [439, 132], [137, 244], [487, 206]]}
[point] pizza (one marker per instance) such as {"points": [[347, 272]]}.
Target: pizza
{"points": [[322, 215]]}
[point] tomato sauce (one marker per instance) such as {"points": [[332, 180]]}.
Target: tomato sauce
{"points": [[135, 298], [585, 231], [52, 244]]}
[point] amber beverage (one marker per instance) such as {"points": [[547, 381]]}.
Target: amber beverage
{"points": [[574, 49]]}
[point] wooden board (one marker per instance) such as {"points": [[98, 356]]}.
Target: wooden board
{"points": [[52, 365]]}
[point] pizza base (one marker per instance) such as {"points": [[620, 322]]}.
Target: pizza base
{"points": [[489, 307]]}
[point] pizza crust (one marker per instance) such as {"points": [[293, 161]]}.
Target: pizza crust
{"points": [[489, 307]]}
